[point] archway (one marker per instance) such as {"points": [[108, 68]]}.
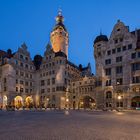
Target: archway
{"points": [[18, 102], [87, 102], [135, 102], [29, 102]]}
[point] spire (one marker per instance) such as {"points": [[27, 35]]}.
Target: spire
{"points": [[59, 18]]}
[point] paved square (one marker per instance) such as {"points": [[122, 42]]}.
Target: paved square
{"points": [[78, 125]]}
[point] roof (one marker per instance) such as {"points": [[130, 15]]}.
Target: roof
{"points": [[2, 53], [100, 38], [5, 54], [61, 54], [73, 65], [59, 24]]}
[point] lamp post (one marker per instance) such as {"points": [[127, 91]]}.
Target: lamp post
{"points": [[47, 103], [67, 103], [119, 99]]}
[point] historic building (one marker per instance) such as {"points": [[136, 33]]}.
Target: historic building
{"points": [[118, 67], [44, 81], [52, 81]]}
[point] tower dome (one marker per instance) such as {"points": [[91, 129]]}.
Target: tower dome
{"points": [[100, 38]]}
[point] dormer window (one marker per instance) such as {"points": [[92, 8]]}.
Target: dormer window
{"points": [[118, 29], [21, 56]]}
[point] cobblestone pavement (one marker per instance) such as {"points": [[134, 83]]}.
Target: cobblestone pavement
{"points": [[77, 125]]}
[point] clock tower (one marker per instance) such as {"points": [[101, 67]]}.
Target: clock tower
{"points": [[59, 35]]}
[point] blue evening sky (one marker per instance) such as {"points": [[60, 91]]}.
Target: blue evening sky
{"points": [[31, 21]]}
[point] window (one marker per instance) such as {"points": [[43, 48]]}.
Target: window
{"points": [[26, 66], [109, 52], [65, 81], [53, 97], [21, 74], [16, 62], [118, 49], [108, 82], [31, 84], [121, 39], [119, 81], [138, 54], [42, 90], [49, 72], [46, 73], [5, 89], [30, 90], [119, 59], [26, 75], [53, 89], [98, 83], [108, 71], [48, 82], [133, 55], [16, 89], [26, 58], [26, 83], [119, 104], [42, 82], [48, 89], [46, 65], [135, 66], [26, 90], [108, 94], [53, 63], [136, 79], [21, 82], [21, 89], [53, 72], [108, 61], [124, 48], [118, 29], [21, 56], [116, 41], [21, 64], [113, 51], [129, 46], [119, 69], [5, 80], [31, 76], [16, 72], [53, 81]]}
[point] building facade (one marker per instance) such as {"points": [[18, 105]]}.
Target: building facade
{"points": [[52, 81], [118, 67], [44, 81]]}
